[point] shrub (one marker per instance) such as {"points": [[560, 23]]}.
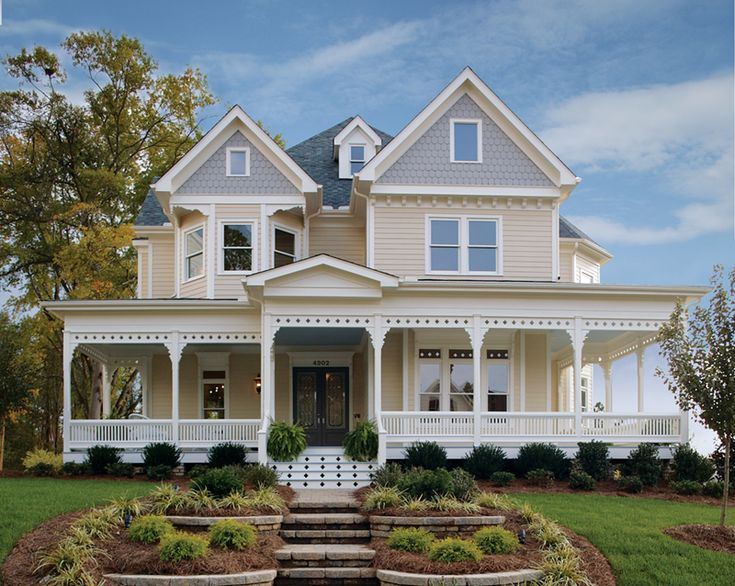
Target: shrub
{"points": [[261, 476], [100, 457], [715, 488], [686, 487], [688, 464], [594, 459], [65, 563], [167, 497], [534, 456], [42, 463], [383, 497], [121, 469], [177, 547], [75, 469], [361, 444], [490, 500], [546, 532], [484, 460], [220, 481], [266, 498], [464, 486], [160, 472], [562, 566], [643, 462], [540, 477], [161, 454], [231, 534], [718, 458], [198, 500], [122, 506], [285, 441], [413, 539], [388, 474], [632, 484], [97, 524], [447, 502], [453, 549], [502, 478], [426, 455], [426, 483], [493, 540], [149, 528], [579, 480], [226, 454]]}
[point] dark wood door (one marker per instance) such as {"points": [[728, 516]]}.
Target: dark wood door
{"points": [[321, 403]]}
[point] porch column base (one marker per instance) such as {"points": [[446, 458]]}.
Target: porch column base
{"points": [[382, 448], [263, 445]]}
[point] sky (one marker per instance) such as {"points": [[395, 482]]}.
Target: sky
{"points": [[636, 97]]}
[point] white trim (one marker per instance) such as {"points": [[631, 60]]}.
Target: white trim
{"points": [[357, 122], [404, 371], [463, 244], [555, 272], [264, 253], [185, 256], [221, 245], [522, 381], [211, 253], [478, 123], [213, 361], [548, 371], [466, 190], [228, 167], [370, 233], [177, 261]]}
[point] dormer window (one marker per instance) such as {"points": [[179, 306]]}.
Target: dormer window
{"points": [[194, 253], [465, 141], [357, 157], [238, 162]]}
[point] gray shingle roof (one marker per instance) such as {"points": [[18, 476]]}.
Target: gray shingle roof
{"points": [[315, 156], [150, 213], [569, 230]]}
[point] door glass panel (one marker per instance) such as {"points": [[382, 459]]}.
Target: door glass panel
{"points": [[335, 393], [306, 399], [214, 400]]}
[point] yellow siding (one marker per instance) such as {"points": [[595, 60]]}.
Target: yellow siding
{"points": [[288, 220], [189, 407], [160, 395], [283, 388], [143, 260], [244, 399], [195, 288], [358, 391], [400, 240], [338, 237], [393, 372], [535, 372]]}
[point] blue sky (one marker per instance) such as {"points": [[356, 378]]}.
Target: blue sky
{"points": [[636, 97]]}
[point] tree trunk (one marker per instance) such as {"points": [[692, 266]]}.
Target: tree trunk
{"points": [[2, 443], [726, 482], [95, 404]]}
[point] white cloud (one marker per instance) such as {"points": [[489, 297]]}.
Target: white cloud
{"points": [[34, 27]]}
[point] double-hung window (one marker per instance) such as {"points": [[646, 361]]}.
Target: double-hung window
{"points": [[284, 247], [461, 380], [194, 253], [430, 380], [463, 246], [465, 141], [498, 380], [237, 247], [357, 157], [238, 162]]}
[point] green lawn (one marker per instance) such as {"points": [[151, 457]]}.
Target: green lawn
{"points": [[26, 502], [628, 532]]}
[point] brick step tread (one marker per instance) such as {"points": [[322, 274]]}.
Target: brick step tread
{"points": [[335, 573], [324, 552], [320, 510], [324, 518], [317, 533]]}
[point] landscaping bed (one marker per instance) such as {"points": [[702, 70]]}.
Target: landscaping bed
{"points": [[711, 537]]}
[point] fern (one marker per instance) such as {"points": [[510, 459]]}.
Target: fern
{"points": [[361, 444], [285, 441]]}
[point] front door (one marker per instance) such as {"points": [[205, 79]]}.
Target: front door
{"points": [[320, 403]]}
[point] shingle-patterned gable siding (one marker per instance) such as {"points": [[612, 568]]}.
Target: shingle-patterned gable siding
{"points": [[264, 179], [426, 162]]}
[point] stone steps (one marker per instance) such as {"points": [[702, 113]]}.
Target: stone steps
{"points": [[324, 555], [348, 528]]}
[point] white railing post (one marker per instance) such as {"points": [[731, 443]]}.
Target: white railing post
{"points": [[377, 339], [477, 336], [106, 384], [607, 375], [577, 335], [266, 386], [640, 375], [174, 351], [68, 354]]}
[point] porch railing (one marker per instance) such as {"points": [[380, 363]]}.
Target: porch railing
{"points": [[633, 427], [131, 433], [446, 425], [200, 432], [531, 425]]}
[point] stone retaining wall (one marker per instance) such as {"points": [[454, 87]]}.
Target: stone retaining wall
{"points": [[381, 526], [515, 578], [266, 524], [255, 578]]}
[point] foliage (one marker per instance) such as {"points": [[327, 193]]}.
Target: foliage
{"points": [[699, 347], [494, 540], [425, 483], [226, 454], [540, 455], [464, 486], [688, 464], [594, 459], [167, 497], [540, 477], [502, 478], [100, 457], [361, 444], [220, 481], [42, 463], [266, 498], [686, 487], [285, 441], [121, 469], [491, 500], [261, 476], [413, 539], [452, 549], [446, 502], [546, 532], [159, 472], [562, 567], [150, 528], [180, 546], [198, 500], [426, 455], [98, 523], [579, 480], [122, 506], [161, 454], [714, 488], [718, 459], [643, 462], [231, 534], [75, 469], [484, 460], [65, 564], [383, 497], [632, 484], [389, 474]]}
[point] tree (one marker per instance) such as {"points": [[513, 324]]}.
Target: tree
{"points": [[700, 351]]}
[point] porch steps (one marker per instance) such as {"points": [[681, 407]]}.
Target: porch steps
{"points": [[324, 468], [322, 528]]}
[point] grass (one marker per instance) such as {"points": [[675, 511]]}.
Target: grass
{"points": [[27, 502], [628, 532]]}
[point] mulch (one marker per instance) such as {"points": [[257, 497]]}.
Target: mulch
{"points": [[711, 537]]}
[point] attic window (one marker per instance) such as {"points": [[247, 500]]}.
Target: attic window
{"points": [[238, 162], [465, 141], [357, 157]]}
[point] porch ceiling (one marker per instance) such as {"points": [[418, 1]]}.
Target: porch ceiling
{"points": [[319, 336]]}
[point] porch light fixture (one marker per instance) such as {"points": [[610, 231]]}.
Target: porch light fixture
{"points": [[257, 384]]}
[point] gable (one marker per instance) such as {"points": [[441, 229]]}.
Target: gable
{"points": [[427, 162], [323, 282], [211, 177]]}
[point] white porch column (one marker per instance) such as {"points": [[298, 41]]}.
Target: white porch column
{"points": [[607, 374], [577, 335], [370, 385], [640, 375], [174, 353], [266, 387], [377, 339], [68, 354], [106, 384], [477, 336]]}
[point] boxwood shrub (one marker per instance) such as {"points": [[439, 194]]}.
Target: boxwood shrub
{"points": [[231, 534], [426, 455], [688, 464], [226, 454], [177, 547], [643, 462], [686, 487], [484, 460], [495, 540], [540, 477], [453, 549], [594, 459], [150, 528], [536, 456], [502, 478], [220, 481], [579, 480], [426, 484], [413, 539]]}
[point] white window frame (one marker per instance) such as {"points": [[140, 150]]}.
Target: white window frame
{"points": [[225, 381], [296, 242], [364, 155], [185, 256], [476, 121], [245, 150], [487, 362], [221, 246], [464, 245]]}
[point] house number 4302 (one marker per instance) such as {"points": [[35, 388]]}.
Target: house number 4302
{"points": [[320, 363]]}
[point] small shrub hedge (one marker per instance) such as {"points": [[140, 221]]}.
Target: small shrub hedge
{"points": [[632, 484], [226, 454], [540, 477], [159, 472], [413, 539], [495, 540], [579, 480], [464, 486], [361, 444], [231, 534], [42, 463], [484, 460], [686, 487], [388, 474], [688, 464], [75, 468], [261, 476], [177, 547], [100, 457], [220, 481], [121, 469], [502, 478], [426, 455], [285, 441], [453, 549], [716, 488], [536, 456], [149, 528], [161, 454], [426, 484], [643, 462], [594, 459]]}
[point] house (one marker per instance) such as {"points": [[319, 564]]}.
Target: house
{"points": [[427, 281]]}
